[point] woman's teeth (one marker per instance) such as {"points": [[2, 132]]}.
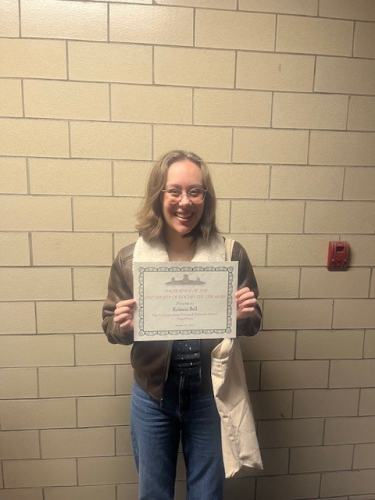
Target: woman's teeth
{"points": [[183, 216]]}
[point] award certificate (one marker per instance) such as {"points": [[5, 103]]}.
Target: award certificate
{"points": [[185, 300]]}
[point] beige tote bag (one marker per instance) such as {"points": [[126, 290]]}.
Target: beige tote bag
{"points": [[238, 434]]}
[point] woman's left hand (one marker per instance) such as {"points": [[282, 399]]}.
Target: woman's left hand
{"points": [[246, 302]]}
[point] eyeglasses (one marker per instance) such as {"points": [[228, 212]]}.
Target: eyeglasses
{"points": [[195, 195]]}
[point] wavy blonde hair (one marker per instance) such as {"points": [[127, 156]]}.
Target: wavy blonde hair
{"points": [[150, 216]]}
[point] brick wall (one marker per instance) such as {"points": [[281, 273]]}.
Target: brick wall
{"points": [[278, 97]]}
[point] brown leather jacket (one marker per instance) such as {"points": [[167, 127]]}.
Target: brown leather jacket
{"points": [[150, 359]]}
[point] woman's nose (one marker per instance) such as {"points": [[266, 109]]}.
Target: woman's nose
{"points": [[185, 200]]}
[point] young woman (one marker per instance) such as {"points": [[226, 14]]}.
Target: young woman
{"points": [[172, 395]]}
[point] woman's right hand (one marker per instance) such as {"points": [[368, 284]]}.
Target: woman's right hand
{"points": [[124, 315]]}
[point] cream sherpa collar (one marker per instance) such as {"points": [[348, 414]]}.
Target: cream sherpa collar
{"points": [[207, 251]]}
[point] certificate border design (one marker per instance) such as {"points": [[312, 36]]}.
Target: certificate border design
{"points": [[211, 268]]}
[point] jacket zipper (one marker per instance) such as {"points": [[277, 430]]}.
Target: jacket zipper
{"points": [[169, 353]]}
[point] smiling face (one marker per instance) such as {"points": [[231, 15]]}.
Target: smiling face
{"points": [[182, 217]]}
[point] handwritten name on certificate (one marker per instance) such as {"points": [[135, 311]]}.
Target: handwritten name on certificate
{"points": [[185, 300]]}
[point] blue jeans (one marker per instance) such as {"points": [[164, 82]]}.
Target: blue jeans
{"points": [[156, 430]]}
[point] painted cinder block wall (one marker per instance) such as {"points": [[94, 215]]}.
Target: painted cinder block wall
{"points": [[278, 97]]}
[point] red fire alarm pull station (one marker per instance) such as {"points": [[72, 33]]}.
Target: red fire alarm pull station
{"points": [[338, 256]]}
